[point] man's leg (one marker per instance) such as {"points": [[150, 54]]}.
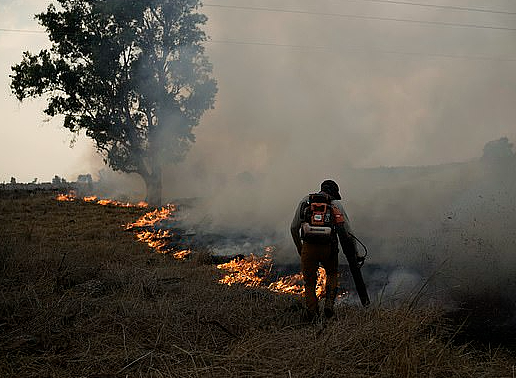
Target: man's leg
{"points": [[309, 266], [331, 266]]}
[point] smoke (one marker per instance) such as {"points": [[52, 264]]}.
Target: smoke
{"points": [[380, 93], [290, 117], [360, 94]]}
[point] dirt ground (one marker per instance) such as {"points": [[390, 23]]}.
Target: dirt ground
{"points": [[80, 297]]}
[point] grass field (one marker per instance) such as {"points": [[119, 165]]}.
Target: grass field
{"points": [[79, 297]]}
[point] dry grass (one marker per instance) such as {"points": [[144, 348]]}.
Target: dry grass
{"points": [[80, 298]]}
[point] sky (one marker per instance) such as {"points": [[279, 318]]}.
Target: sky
{"points": [[303, 84]]}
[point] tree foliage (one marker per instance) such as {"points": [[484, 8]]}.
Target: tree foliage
{"points": [[131, 73], [498, 149]]}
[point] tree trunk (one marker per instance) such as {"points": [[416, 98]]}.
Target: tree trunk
{"points": [[153, 182], [153, 179]]}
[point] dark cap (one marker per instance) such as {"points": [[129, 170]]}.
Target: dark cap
{"points": [[330, 187]]}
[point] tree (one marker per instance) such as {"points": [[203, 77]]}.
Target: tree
{"points": [[498, 149], [131, 73]]}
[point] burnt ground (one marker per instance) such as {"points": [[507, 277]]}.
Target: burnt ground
{"points": [[80, 297], [486, 320]]}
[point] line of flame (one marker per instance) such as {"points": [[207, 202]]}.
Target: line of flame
{"points": [[72, 196], [152, 217], [252, 271], [157, 239]]}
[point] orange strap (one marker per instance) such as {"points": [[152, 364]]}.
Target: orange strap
{"points": [[337, 215]]}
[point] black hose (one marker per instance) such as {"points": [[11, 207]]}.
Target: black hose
{"points": [[362, 244], [362, 258]]}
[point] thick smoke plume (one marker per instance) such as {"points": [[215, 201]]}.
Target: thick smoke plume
{"points": [[334, 97]]}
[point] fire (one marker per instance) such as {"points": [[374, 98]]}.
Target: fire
{"points": [[320, 288], [157, 240], [255, 271], [106, 202], [69, 197], [251, 271], [181, 255], [292, 284], [145, 227], [269, 249], [151, 218], [72, 196], [161, 241]]}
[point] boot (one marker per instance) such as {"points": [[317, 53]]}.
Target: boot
{"points": [[328, 312], [331, 294], [311, 316]]}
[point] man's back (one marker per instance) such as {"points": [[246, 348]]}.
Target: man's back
{"points": [[321, 247], [297, 221]]}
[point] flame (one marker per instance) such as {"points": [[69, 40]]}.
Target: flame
{"points": [[144, 227], [159, 240], [255, 271], [151, 218], [72, 196], [270, 249], [250, 271], [69, 197], [320, 288], [106, 202], [109, 202], [181, 255], [292, 284]]}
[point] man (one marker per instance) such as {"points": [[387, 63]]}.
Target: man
{"points": [[319, 243]]}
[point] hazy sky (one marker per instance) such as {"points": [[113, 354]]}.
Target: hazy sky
{"points": [[339, 91]]}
